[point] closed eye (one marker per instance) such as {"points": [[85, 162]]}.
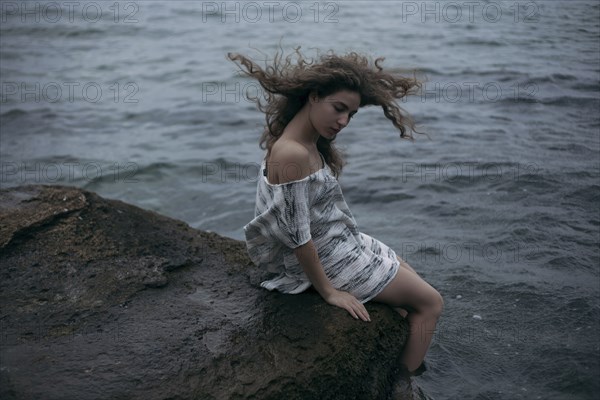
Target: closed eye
{"points": [[338, 109], [343, 108]]}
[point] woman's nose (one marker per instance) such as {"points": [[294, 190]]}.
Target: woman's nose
{"points": [[343, 120]]}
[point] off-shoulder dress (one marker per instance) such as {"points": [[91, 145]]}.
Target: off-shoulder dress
{"points": [[288, 215]]}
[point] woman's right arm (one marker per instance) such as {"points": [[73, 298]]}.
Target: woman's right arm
{"points": [[311, 264], [293, 163]]}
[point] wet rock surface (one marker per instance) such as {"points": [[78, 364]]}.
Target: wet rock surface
{"points": [[103, 300]]}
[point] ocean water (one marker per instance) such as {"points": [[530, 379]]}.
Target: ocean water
{"points": [[498, 209]]}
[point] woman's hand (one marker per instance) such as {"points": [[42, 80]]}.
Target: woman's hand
{"points": [[309, 260], [350, 303]]}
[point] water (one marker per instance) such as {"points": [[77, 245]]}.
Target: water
{"points": [[498, 211]]}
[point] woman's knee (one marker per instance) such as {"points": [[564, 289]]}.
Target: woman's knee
{"points": [[437, 303], [410, 291], [432, 303]]}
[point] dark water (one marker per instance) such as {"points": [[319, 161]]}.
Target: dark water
{"points": [[499, 210]]}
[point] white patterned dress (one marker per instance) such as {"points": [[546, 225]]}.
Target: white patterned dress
{"points": [[288, 215]]}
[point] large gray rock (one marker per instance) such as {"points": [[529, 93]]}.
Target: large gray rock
{"points": [[103, 300]]}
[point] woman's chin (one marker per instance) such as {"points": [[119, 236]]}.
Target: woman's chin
{"points": [[329, 136]]}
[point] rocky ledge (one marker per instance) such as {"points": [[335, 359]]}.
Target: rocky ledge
{"points": [[104, 300]]}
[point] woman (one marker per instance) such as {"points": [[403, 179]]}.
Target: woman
{"points": [[303, 228]]}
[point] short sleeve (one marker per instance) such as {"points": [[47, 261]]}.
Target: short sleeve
{"points": [[282, 220], [290, 213]]}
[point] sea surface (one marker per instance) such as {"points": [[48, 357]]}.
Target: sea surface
{"points": [[498, 208]]}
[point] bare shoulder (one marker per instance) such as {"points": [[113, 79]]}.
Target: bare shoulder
{"points": [[289, 160]]}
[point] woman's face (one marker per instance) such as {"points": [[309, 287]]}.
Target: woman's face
{"points": [[332, 113]]}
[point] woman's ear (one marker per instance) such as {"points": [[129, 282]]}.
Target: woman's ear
{"points": [[313, 97]]}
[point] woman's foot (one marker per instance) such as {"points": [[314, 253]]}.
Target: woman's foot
{"points": [[404, 387], [417, 372]]}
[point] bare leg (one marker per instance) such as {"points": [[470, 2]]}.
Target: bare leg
{"points": [[424, 304], [405, 265]]}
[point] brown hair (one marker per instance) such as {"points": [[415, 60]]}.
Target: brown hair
{"points": [[287, 86]]}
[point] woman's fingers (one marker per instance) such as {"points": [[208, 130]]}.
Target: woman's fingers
{"points": [[352, 312], [362, 311], [364, 314], [358, 310], [351, 304]]}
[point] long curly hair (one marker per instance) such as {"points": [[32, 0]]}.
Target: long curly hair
{"points": [[287, 86]]}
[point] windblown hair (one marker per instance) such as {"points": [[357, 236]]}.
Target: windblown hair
{"points": [[287, 87]]}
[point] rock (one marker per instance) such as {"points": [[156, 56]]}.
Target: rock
{"points": [[103, 300]]}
